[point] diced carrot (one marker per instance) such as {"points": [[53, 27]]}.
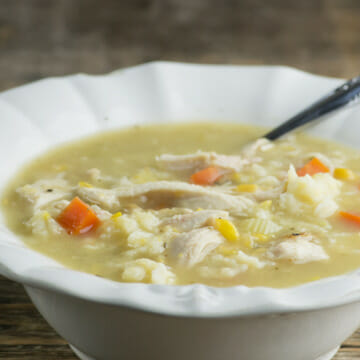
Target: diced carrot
{"points": [[206, 176], [355, 219], [313, 167], [78, 218]]}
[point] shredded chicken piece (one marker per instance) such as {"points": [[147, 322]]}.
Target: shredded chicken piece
{"points": [[101, 213], [298, 248], [274, 193], [186, 194], [169, 212], [200, 160], [43, 192], [96, 177], [187, 222], [236, 205], [105, 198], [56, 207], [250, 150], [190, 248]]}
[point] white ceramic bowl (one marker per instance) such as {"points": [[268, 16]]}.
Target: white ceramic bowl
{"points": [[110, 321]]}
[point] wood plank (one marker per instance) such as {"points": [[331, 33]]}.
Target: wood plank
{"points": [[10, 292], [24, 319], [36, 352], [354, 340], [347, 353]]}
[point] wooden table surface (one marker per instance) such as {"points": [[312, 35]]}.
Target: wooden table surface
{"points": [[40, 38]]}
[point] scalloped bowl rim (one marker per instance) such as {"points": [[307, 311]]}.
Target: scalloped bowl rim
{"points": [[174, 300]]}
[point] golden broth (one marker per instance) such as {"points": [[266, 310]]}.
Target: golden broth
{"points": [[127, 152]]}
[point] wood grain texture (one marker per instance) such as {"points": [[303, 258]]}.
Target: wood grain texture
{"points": [[41, 38]]}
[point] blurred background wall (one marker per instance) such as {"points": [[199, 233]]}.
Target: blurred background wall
{"points": [[40, 38]]}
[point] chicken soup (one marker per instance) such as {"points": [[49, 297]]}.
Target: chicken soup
{"points": [[193, 203]]}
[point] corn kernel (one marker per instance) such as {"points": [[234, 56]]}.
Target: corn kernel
{"points": [[343, 174], [261, 237], [247, 188], [236, 178], [46, 215], [116, 215], [5, 202], [266, 205], [227, 229], [199, 209], [84, 184]]}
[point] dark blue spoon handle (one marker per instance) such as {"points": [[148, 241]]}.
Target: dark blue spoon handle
{"points": [[343, 95]]}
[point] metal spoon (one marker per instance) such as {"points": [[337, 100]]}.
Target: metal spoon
{"points": [[347, 93]]}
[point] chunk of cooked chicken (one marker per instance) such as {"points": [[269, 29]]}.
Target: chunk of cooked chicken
{"points": [[187, 222], [57, 207], [43, 192], [236, 205], [190, 248], [249, 151], [101, 213], [96, 177], [105, 198], [187, 195], [200, 160], [169, 212], [269, 194], [298, 248]]}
